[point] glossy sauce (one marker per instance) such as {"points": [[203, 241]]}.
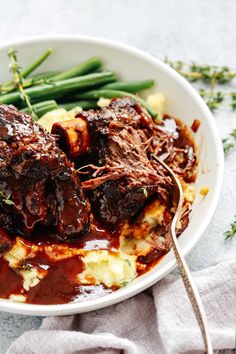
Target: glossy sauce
{"points": [[59, 285], [98, 237], [10, 281]]}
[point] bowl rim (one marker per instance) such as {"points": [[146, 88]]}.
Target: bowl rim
{"points": [[142, 284]]}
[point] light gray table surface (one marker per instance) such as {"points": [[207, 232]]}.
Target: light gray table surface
{"points": [[201, 30]]}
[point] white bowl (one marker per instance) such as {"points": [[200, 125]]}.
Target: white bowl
{"points": [[183, 102]]}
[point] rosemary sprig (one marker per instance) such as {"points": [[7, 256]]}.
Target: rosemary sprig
{"points": [[19, 81], [229, 234], [6, 198]]}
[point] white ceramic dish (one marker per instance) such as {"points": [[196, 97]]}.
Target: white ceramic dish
{"points": [[183, 102]]}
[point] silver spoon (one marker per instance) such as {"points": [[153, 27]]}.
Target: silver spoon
{"points": [[188, 281]]}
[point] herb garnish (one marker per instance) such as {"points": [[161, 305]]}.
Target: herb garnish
{"points": [[144, 191], [6, 198], [25, 266], [19, 81], [230, 142], [229, 234], [124, 283], [211, 75], [205, 73], [128, 262]]}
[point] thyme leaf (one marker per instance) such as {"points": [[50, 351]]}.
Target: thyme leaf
{"points": [[229, 234], [230, 142], [204, 73], [124, 283], [144, 191], [128, 262], [213, 77], [6, 198], [19, 81]]}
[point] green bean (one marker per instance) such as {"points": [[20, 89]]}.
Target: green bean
{"points": [[43, 107], [29, 69], [85, 105], [32, 81], [132, 86], [46, 75], [95, 94], [59, 88], [36, 63], [84, 68]]}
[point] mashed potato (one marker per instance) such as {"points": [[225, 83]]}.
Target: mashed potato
{"points": [[189, 191], [103, 102], [109, 268], [134, 246], [154, 213], [17, 298], [158, 102], [137, 239], [19, 252], [57, 115]]}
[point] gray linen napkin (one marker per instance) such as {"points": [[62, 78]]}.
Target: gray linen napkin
{"points": [[158, 321]]}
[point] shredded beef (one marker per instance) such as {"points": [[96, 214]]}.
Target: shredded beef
{"points": [[123, 138]]}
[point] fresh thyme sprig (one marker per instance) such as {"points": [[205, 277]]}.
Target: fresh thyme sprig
{"points": [[6, 198], [229, 234], [212, 76], [205, 73], [230, 142], [19, 81]]}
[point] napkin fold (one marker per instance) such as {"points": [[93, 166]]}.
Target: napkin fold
{"points": [[158, 321]]}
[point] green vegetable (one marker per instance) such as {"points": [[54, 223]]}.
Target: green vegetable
{"points": [[124, 284], [6, 198], [32, 81], [144, 191], [132, 86], [84, 68], [29, 69], [85, 105], [95, 94], [45, 75], [128, 262], [59, 88], [42, 108], [205, 73], [230, 142], [32, 67], [19, 82], [231, 232], [213, 77]]}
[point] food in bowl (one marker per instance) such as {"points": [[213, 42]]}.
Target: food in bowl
{"points": [[84, 206]]}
